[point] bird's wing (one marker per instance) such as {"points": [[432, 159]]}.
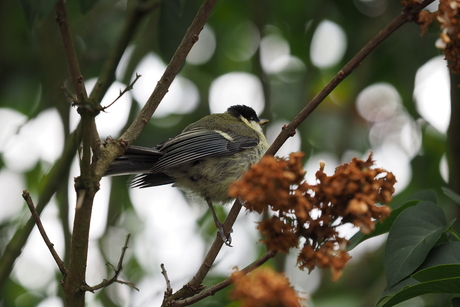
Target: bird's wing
{"points": [[194, 145]]}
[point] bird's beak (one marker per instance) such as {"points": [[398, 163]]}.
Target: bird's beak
{"points": [[263, 122]]}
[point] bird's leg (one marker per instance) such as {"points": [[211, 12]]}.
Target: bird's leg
{"points": [[219, 225]]}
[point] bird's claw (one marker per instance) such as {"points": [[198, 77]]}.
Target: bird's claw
{"points": [[227, 239]]}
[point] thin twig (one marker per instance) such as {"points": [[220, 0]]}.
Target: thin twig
{"points": [[127, 89], [216, 288], [70, 95], [71, 56], [169, 290], [117, 270], [41, 229]]}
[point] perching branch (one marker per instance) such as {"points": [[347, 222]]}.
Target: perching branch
{"points": [[409, 14], [42, 231]]}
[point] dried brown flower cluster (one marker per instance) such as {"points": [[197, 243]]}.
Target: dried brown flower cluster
{"points": [[448, 19], [313, 212], [264, 287]]}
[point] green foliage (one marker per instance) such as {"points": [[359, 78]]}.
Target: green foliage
{"points": [[452, 195], [416, 261], [411, 237], [384, 227], [37, 9], [175, 18]]}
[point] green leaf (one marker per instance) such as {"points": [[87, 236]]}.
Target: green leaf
{"points": [[34, 9], [381, 228], [413, 234], [384, 227], [448, 253], [438, 272], [387, 293], [427, 195], [175, 17], [447, 285], [452, 195]]}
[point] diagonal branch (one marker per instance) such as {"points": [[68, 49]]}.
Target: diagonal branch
{"points": [[42, 231], [116, 148], [409, 14]]}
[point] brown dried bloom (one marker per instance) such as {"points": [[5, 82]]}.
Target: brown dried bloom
{"points": [[269, 182], [449, 23], [263, 287], [351, 195], [281, 236]]}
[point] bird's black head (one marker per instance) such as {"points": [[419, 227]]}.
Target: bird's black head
{"points": [[245, 111]]}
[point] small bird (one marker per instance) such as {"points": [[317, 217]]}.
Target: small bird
{"points": [[204, 159]]}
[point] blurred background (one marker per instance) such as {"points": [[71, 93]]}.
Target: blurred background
{"points": [[271, 55]]}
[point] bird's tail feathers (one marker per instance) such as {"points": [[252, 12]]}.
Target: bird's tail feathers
{"points": [[136, 160]]}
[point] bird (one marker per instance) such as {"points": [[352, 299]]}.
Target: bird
{"points": [[203, 160]]}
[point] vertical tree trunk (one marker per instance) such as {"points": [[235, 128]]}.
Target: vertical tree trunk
{"points": [[453, 135]]}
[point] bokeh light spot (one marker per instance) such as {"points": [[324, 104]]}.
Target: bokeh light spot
{"points": [[378, 102], [183, 95], [242, 41], [328, 44], [274, 53], [371, 8], [236, 88], [40, 138], [432, 93]]}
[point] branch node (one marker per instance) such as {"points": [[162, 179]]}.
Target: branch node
{"points": [[290, 133]]}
